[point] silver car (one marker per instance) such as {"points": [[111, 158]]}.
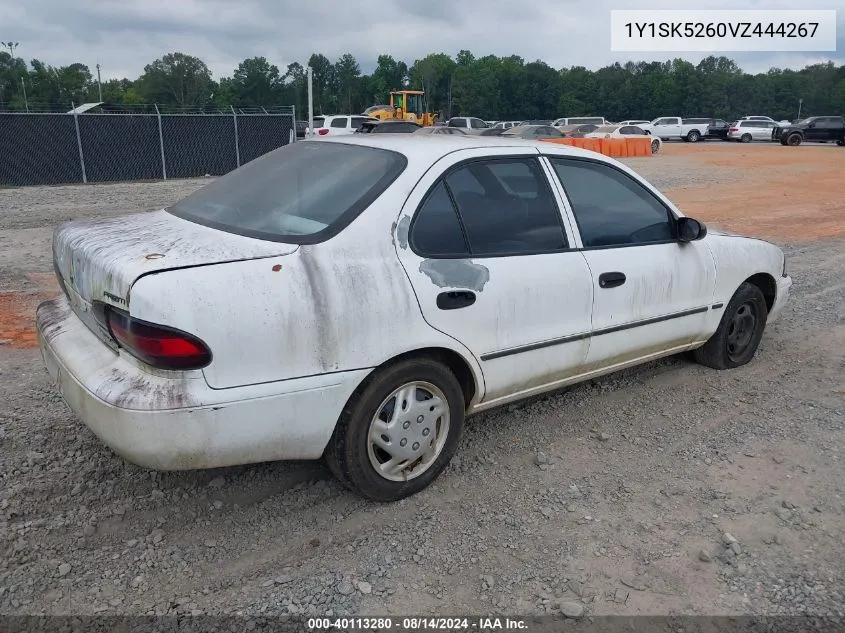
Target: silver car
{"points": [[747, 130]]}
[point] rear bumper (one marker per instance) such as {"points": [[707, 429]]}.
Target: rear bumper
{"points": [[784, 288], [179, 423]]}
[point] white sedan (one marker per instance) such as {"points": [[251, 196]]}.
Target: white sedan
{"points": [[626, 131], [356, 298]]}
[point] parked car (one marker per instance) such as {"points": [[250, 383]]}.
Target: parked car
{"points": [[747, 130], [626, 131], [577, 130], [765, 118], [301, 128], [532, 132], [493, 131], [355, 298], [443, 130], [637, 122], [815, 128], [389, 126], [505, 125], [673, 127], [580, 120], [471, 125], [716, 128], [336, 124]]}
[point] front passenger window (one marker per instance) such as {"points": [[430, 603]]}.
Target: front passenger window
{"points": [[610, 207]]}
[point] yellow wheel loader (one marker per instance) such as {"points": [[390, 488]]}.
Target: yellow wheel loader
{"points": [[405, 105]]}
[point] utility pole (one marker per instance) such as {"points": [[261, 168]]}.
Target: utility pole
{"points": [[310, 74], [25, 102], [99, 83]]}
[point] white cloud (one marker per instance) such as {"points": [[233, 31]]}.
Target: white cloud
{"points": [[125, 35]]}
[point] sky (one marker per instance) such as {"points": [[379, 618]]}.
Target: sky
{"points": [[125, 35]]}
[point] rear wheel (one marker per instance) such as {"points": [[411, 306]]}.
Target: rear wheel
{"points": [[745, 138], [739, 333], [694, 136], [399, 431]]}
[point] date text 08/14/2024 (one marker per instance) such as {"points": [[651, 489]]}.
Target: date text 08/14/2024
{"points": [[420, 623]]}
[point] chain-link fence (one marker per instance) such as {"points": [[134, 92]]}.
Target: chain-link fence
{"points": [[49, 149]]}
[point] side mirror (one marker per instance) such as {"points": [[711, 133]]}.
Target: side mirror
{"points": [[690, 230]]}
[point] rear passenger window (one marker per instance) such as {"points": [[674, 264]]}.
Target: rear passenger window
{"points": [[339, 122], [506, 207], [436, 230]]}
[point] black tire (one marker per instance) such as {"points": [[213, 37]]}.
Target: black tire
{"points": [[739, 333], [694, 136], [745, 138], [655, 146], [794, 140], [347, 455], [841, 142]]}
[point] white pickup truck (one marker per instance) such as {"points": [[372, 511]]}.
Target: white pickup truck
{"points": [[668, 127]]}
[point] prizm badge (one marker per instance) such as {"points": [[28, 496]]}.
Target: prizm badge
{"points": [[114, 298]]}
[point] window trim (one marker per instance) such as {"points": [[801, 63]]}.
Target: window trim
{"points": [[671, 215], [344, 219], [487, 159]]}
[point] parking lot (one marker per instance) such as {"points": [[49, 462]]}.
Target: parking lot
{"points": [[614, 496]]}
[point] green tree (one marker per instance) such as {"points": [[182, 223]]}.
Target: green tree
{"points": [[13, 70], [388, 76], [347, 74], [176, 79], [256, 82]]}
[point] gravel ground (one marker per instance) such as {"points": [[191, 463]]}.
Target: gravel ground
{"points": [[666, 489]]}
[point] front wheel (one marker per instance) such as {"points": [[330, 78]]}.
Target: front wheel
{"points": [[655, 146], [794, 140], [841, 142], [739, 333], [398, 432]]}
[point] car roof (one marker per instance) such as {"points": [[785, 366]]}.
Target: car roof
{"points": [[428, 148]]}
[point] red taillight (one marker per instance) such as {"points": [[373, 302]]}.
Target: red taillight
{"points": [[734, 129], [158, 346], [322, 131]]}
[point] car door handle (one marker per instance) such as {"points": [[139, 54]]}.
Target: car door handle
{"points": [[454, 299], [611, 280]]}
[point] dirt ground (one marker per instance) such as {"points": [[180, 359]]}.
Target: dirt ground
{"points": [[666, 489]]}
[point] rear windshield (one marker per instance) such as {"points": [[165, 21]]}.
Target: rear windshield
{"points": [[301, 193], [318, 122]]}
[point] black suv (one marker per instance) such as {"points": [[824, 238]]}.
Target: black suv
{"points": [[816, 128]]}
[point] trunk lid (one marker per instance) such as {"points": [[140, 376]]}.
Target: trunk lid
{"points": [[99, 260]]}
